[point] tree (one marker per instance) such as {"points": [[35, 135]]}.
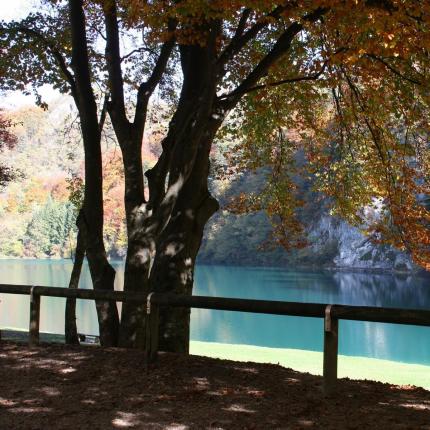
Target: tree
{"points": [[52, 48], [348, 77], [276, 66], [7, 141], [48, 232]]}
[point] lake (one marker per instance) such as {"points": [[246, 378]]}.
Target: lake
{"points": [[408, 344]]}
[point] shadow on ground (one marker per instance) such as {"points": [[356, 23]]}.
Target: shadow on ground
{"points": [[61, 387]]}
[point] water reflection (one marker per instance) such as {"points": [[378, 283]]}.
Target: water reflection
{"points": [[393, 342]]}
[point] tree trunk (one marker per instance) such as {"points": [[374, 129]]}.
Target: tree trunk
{"points": [[90, 221], [170, 225], [70, 330], [132, 330], [103, 277], [173, 272], [174, 265]]}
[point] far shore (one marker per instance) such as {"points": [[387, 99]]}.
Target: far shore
{"points": [[296, 268]]}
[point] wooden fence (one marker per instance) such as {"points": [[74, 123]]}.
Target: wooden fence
{"points": [[331, 314]]}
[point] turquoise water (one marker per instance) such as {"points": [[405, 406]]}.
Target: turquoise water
{"points": [[409, 344]]}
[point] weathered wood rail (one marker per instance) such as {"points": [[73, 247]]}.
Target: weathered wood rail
{"points": [[329, 312]]}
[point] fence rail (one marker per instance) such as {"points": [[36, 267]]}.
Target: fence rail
{"points": [[330, 313]]}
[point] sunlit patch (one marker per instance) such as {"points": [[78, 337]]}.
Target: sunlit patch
{"points": [[143, 256], [239, 408], [162, 397], [306, 423], [95, 391], [88, 402], [32, 401], [137, 399], [247, 370], [166, 410], [416, 406], [75, 356], [202, 382], [126, 420], [292, 380], [403, 387], [174, 189], [188, 262], [171, 250], [256, 393], [214, 393], [50, 391], [67, 370], [49, 364], [7, 403], [23, 354], [175, 426], [31, 410]]}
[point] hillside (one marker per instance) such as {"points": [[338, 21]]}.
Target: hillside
{"points": [[245, 239], [38, 209]]}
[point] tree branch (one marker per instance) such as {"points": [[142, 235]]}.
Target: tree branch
{"points": [[280, 48], [393, 70], [147, 88], [104, 111], [242, 22], [241, 38], [313, 77], [375, 138], [50, 46], [113, 59], [135, 51]]}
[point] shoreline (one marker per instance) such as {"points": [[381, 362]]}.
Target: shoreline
{"points": [[351, 367], [298, 268]]}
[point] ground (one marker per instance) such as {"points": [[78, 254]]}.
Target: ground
{"points": [[63, 387]]}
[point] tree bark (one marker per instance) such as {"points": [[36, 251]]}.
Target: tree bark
{"points": [[70, 330], [138, 258], [178, 246]]}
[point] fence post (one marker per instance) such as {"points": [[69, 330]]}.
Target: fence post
{"points": [[152, 322], [331, 328], [33, 336]]}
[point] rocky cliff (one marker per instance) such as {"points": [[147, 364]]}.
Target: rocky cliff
{"points": [[242, 240]]}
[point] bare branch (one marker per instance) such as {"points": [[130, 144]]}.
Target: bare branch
{"points": [[241, 38], [135, 51], [280, 48], [242, 22], [393, 70], [104, 111], [113, 59], [147, 88], [312, 77], [85, 99]]}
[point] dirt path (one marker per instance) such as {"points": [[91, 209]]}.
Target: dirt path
{"points": [[59, 387]]}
